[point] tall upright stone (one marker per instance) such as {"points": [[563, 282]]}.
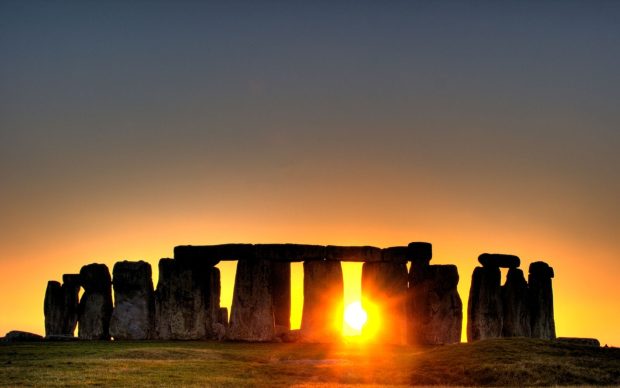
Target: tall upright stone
{"points": [[435, 307], [53, 308], [281, 294], [384, 296], [70, 293], [323, 301], [96, 303], [133, 317], [186, 299], [541, 300], [252, 313], [516, 321], [484, 311]]}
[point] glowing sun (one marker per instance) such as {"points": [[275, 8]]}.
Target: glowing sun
{"points": [[355, 316]]}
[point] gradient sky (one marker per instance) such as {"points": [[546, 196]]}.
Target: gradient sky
{"points": [[127, 128]]}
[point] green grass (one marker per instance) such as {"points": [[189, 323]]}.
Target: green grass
{"points": [[492, 362]]}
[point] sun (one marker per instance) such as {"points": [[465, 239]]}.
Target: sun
{"points": [[355, 316]]}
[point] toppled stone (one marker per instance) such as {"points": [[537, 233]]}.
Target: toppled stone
{"points": [[252, 315], [61, 338], [499, 260], [384, 291], [580, 341], [541, 300], [358, 253], [22, 336], [435, 307], [133, 317], [516, 322], [186, 300], [323, 301], [420, 253], [395, 254], [291, 336], [485, 307], [95, 307], [281, 293]]}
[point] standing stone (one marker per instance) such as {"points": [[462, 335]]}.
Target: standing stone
{"points": [[53, 308], [281, 293], [252, 315], [485, 313], [323, 301], [384, 297], [186, 299], [70, 294], [435, 307], [516, 321], [134, 311], [541, 300], [96, 303]]}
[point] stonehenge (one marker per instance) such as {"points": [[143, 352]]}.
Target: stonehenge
{"points": [[411, 300], [515, 309]]}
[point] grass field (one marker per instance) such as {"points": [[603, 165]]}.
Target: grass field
{"points": [[492, 362]]}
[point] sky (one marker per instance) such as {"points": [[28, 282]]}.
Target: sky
{"points": [[127, 128]]}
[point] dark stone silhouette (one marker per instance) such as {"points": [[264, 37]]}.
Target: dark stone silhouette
{"points": [[541, 300], [53, 308], [516, 322], [289, 252], [420, 254], [361, 253], [323, 298], [186, 299], [95, 306], [22, 336], [435, 307], [384, 286], [499, 260], [395, 254], [485, 312], [133, 317], [281, 294], [580, 341], [61, 306], [252, 314]]}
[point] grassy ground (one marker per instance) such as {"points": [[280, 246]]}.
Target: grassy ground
{"points": [[492, 362]]}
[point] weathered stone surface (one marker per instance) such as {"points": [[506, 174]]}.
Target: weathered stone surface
{"points": [[435, 313], [223, 316], [323, 301], [281, 293], [541, 300], [384, 292], [420, 253], [499, 260], [186, 299], [133, 317], [95, 306], [360, 253], [214, 253], [252, 315], [485, 312], [516, 321], [22, 336], [395, 254]]}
